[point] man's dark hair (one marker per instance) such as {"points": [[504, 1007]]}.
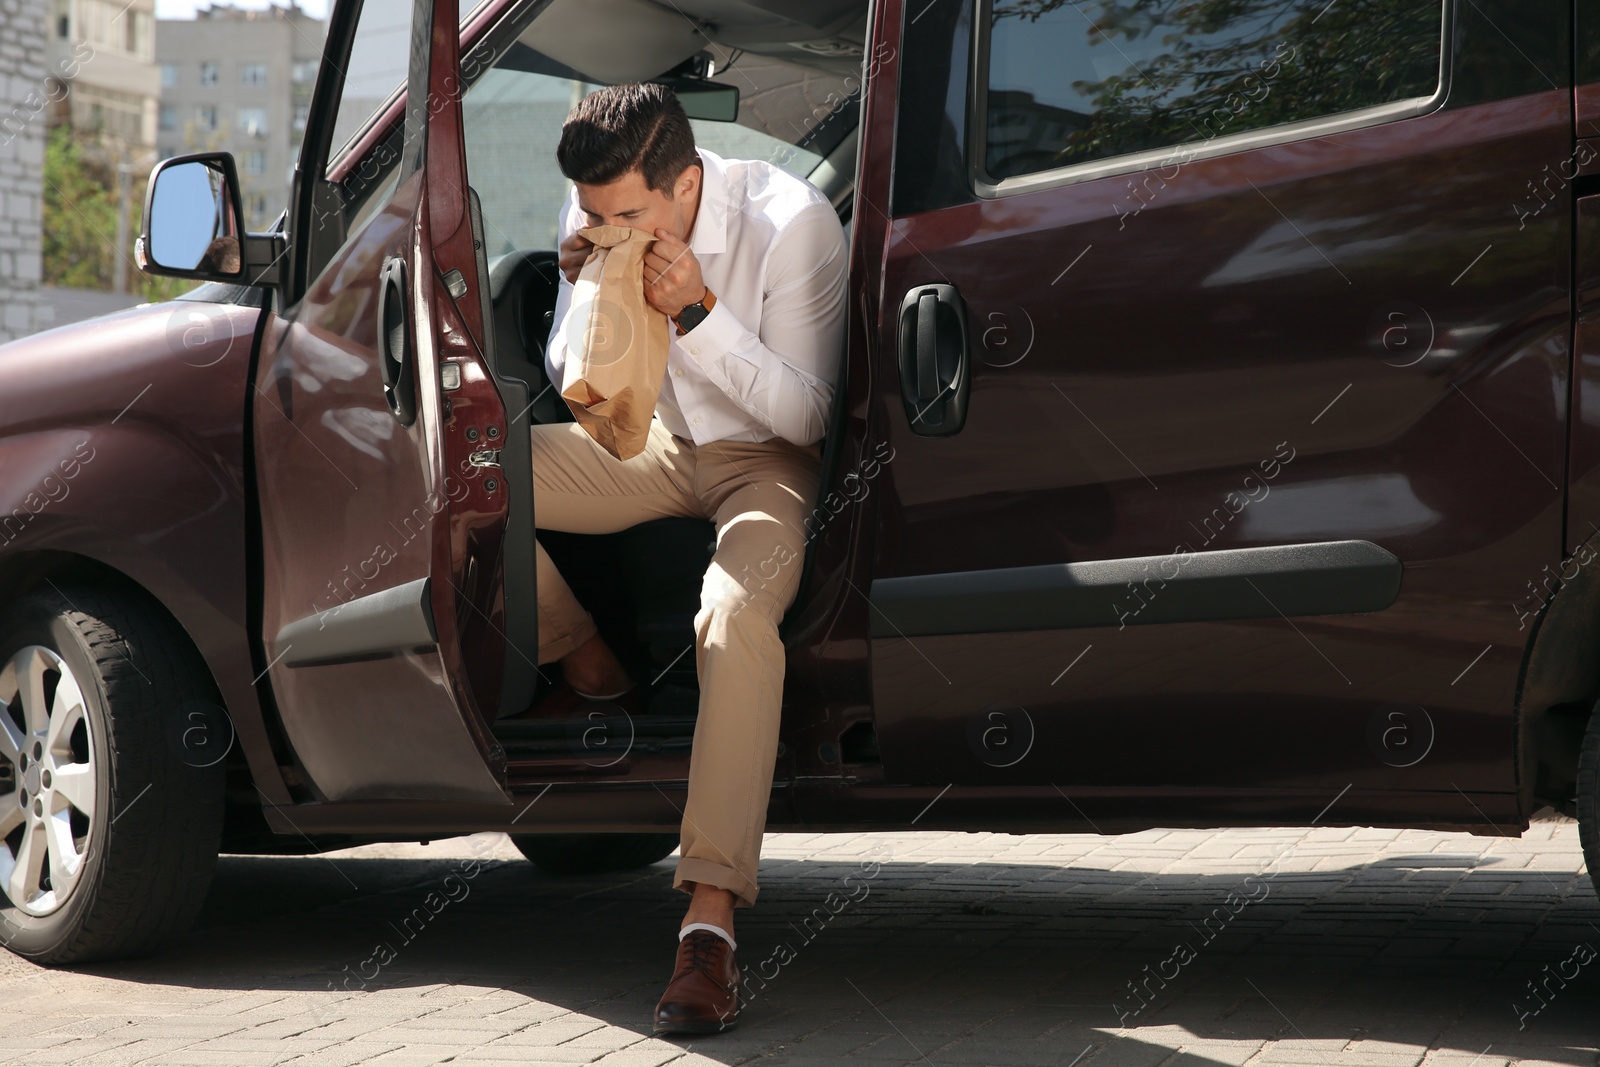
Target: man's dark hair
{"points": [[627, 127]]}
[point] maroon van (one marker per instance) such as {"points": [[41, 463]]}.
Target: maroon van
{"points": [[1217, 444]]}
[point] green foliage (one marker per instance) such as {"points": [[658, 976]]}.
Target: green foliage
{"points": [[80, 215], [1196, 69], [80, 220]]}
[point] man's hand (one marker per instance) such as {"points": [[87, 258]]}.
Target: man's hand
{"points": [[574, 250], [671, 275]]}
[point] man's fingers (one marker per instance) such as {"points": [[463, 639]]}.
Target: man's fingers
{"points": [[574, 253], [669, 246], [655, 266]]}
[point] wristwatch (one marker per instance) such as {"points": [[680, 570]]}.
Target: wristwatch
{"points": [[694, 314]]}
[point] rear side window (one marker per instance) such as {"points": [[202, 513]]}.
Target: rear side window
{"points": [[1077, 81]]}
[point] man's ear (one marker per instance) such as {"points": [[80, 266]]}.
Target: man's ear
{"points": [[688, 183]]}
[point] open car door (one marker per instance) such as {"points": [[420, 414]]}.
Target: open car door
{"points": [[377, 433]]}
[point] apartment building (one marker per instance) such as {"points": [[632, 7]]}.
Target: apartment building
{"points": [[100, 58], [240, 81], [21, 169]]}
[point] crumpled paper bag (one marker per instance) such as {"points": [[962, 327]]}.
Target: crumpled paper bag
{"points": [[616, 343]]}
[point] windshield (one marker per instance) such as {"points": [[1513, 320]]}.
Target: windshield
{"points": [[788, 115]]}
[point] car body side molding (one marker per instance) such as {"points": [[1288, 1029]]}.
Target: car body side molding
{"points": [[388, 621], [1322, 578]]}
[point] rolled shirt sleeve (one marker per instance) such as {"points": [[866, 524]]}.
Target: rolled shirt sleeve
{"points": [[555, 349], [784, 375]]}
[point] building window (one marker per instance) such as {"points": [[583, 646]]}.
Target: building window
{"points": [[206, 116], [169, 75], [253, 121], [144, 36], [255, 161], [169, 117], [63, 26], [138, 34], [302, 114], [253, 74], [305, 71], [208, 74], [255, 205]]}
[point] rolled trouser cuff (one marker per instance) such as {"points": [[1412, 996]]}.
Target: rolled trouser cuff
{"points": [[563, 643], [709, 872]]}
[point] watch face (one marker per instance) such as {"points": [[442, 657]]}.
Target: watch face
{"points": [[692, 316]]}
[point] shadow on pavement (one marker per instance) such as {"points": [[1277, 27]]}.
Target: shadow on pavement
{"points": [[947, 963]]}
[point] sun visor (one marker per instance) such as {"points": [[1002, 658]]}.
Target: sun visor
{"points": [[612, 41]]}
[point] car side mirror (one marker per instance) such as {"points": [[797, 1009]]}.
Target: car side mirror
{"points": [[193, 225]]}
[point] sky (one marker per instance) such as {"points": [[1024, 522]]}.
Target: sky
{"points": [[184, 9]]}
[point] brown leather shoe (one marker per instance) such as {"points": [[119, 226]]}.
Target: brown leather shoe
{"points": [[703, 996]]}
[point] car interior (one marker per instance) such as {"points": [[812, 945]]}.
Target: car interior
{"points": [[760, 79]]}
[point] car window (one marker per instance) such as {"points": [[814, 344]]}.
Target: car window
{"points": [[733, 141], [378, 66], [376, 70], [512, 121], [1073, 81], [513, 112]]}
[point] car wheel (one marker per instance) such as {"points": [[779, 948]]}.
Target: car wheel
{"points": [[109, 825], [1589, 797], [594, 853]]}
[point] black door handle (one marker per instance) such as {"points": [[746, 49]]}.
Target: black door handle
{"points": [[396, 357], [934, 365]]}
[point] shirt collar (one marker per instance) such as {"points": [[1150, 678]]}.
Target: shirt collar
{"points": [[710, 233]]}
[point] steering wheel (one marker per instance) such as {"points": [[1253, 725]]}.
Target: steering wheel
{"points": [[522, 290]]}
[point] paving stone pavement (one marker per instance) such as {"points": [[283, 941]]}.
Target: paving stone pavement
{"points": [[1169, 948]]}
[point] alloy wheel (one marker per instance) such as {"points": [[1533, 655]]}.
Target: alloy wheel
{"points": [[47, 748]]}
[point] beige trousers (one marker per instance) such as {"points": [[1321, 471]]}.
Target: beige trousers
{"points": [[758, 495]]}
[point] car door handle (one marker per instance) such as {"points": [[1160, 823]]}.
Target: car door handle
{"points": [[396, 351], [934, 359]]}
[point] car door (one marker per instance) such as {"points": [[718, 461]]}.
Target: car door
{"points": [[1223, 352], [377, 432], [1582, 170]]}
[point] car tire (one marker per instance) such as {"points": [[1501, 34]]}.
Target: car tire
{"points": [[102, 690], [1588, 798], [574, 854]]}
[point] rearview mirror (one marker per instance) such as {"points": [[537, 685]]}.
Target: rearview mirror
{"points": [[192, 220], [704, 99]]}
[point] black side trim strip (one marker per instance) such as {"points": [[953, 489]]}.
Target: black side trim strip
{"points": [[1326, 578], [390, 620]]}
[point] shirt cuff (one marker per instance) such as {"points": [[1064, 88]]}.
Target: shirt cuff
{"points": [[714, 338]]}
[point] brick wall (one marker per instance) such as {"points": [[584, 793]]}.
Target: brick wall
{"points": [[22, 136]]}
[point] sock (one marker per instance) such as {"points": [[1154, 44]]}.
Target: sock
{"points": [[719, 931]]}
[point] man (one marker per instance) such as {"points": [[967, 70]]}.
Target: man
{"points": [[749, 263]]}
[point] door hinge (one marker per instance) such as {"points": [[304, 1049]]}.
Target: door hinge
{"points": [[484, 457]]}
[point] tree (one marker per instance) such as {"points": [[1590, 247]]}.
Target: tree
{"points": [[1196, 69], [80, 220]]}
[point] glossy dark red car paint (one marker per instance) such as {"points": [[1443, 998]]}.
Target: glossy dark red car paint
{"points": [[1248, 721]]}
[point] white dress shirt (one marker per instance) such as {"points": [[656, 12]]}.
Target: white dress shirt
{"points": [[764, 363]]}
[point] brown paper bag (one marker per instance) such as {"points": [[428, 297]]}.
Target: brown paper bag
{"points": [[616, 343]]}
